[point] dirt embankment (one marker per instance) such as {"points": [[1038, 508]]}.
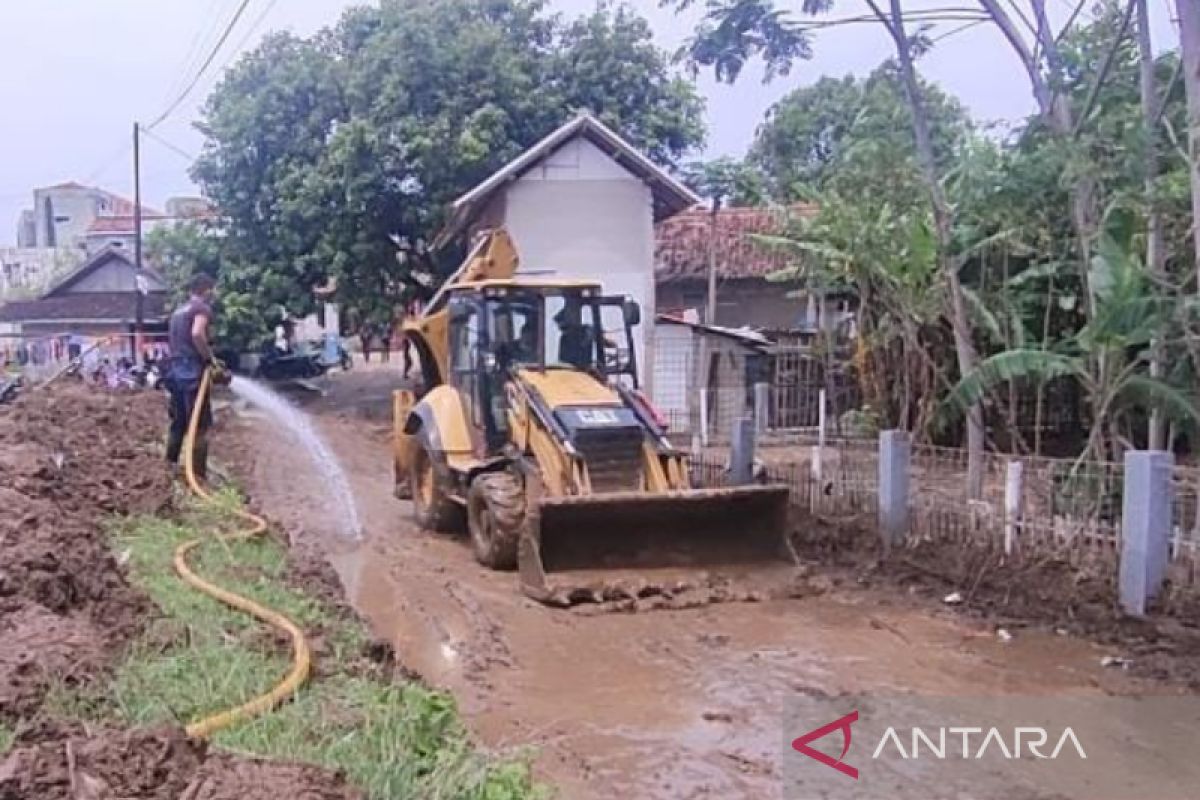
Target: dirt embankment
{"points": [[1048, 590], [72, 458], [61, 762], [69, 458]]}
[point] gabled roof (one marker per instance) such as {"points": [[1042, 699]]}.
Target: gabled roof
{"points": [[94, 307], [670, 195], [683, 243], [96, 262]]}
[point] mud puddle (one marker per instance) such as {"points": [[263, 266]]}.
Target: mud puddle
{"points": [[674, 704]]}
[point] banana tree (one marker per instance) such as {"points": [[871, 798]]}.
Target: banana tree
{"points": [[1109, 357], [886, 256]]}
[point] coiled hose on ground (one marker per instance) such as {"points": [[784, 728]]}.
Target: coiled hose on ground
{"points": [[301, 657]]}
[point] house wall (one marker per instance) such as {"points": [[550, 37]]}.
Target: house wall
{"points": [[692, 365], [754, 304], [749, 303], [27, 271], [73, 210], [579, 214], [26, 230], [674, 369], [95, 242]]}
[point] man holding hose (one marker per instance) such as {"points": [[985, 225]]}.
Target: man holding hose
{"points": [[187, 335]]}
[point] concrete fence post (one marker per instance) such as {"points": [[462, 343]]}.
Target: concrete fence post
{"points": [[762, 407], [1014, 506], [818, 452], [704, 416], [741, 453], [894, 456], [1145, 527]]}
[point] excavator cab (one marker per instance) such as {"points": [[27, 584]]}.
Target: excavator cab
{"points": [[535, 435]]}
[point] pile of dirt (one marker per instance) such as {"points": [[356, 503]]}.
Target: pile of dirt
{"points": [[1054, 592], [62, 762], [70, 457]]}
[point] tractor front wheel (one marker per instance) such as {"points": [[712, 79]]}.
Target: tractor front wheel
{"points": [[495, 514], [432, 506]]}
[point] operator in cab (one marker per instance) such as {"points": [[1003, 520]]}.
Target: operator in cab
{"points": [[191, 353], [575, 343]]}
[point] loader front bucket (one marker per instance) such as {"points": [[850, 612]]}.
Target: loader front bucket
{"points": [[642, 531]]}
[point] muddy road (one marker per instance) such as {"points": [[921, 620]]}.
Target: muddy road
{"points": [[663, 704]]}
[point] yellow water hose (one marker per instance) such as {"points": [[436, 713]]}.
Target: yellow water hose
{"points": [[301, 658]]}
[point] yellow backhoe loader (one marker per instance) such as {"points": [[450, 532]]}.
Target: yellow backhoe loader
{"points": [[530, 426]]}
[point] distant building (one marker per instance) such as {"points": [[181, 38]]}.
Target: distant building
{"points": [[87, 218], [121, 231], [27, 271], [26, 230], [189, 208], [97, 299], [746, 295]]}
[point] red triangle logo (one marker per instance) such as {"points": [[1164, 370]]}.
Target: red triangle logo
{"points": [[800, 745]]}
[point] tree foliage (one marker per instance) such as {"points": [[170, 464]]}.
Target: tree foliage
{"points": [[1051, 302], [845, 129], [334, 157]]}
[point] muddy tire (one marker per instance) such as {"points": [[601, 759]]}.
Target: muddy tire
{"points": [[432, 507], [495, 514], [401, 483]]}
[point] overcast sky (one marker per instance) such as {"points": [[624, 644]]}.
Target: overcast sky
{"points": [[78, 72]]}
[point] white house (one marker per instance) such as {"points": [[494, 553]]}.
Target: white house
{"points": [[582, 204]]}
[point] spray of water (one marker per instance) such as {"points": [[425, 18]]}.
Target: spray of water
{"points": [[300, 426]]}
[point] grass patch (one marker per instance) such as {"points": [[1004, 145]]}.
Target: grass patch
{"points": [[6, 738], [391, 739]]}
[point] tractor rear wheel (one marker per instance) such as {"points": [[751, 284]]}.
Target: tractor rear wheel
{"points": [[495, 514], [432, 506]]}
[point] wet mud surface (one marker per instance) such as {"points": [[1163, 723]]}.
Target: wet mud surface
{"points": [[675, 702], [64, 763], [68, 459]]}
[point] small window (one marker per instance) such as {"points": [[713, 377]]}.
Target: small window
{"points": [[62, 219]]}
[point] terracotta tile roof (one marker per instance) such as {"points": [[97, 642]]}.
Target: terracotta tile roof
{"points": [[681, 247], [121, 223], [86, 306]]}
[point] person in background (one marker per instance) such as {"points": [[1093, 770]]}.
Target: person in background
{"points": [[406, 353], [191, 353], [364, 335], [385, 339]]}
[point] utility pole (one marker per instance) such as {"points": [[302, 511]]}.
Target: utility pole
{"points": [[138, 279], [710, 317]]}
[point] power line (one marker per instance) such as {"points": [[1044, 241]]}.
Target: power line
{"points": [[170, 146], [200, 40], [212, 55], [250, 32], [120, 152]]}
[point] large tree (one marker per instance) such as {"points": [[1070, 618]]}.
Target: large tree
{"points": [[818, 132], [735, 31], [334, 157]]}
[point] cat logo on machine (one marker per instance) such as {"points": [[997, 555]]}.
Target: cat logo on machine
{"points": [[597, 416]]}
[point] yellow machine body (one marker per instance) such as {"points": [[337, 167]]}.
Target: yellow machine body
{"points": [[535, 452]]}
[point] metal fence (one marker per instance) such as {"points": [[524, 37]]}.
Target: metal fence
{"points": [[1029, 508], [704, 385]]}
